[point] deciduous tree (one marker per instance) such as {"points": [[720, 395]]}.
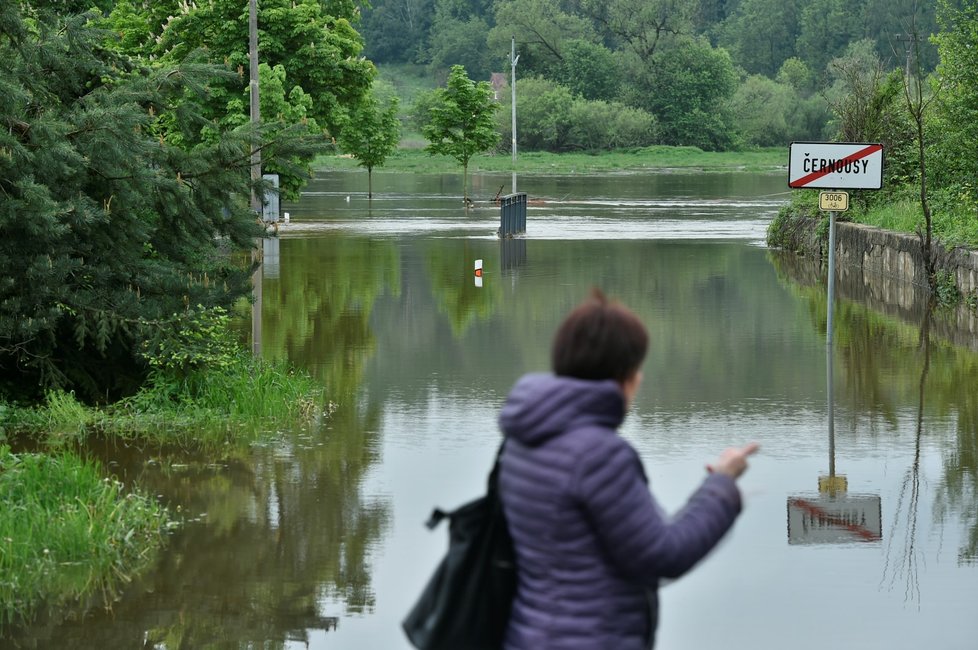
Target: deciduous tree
{"points": [[687, 91], [641, 26], [762, 34], [459, 42], [958, 109], [396, 31], [542, 29], [313, 53], [461, 122], [371, 134], [590, 70]]}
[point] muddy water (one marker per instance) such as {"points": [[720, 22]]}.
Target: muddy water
{"points": [[316, 539]]}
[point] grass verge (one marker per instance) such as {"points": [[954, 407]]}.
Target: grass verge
{"points": [[953, 223], [643, 159], [245, 399], [239, 402], [70, 535]]}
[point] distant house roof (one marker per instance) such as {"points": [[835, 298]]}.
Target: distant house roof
{"points": [[498, 81]]}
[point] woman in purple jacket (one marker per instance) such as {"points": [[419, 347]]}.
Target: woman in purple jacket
{"points": [[591, 542]]}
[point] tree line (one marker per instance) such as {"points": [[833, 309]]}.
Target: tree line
{"points": [[717, 74]]}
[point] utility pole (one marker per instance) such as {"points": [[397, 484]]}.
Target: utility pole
{"points": [[907, 40], [512, 85], [255, 107], [256, 202]]}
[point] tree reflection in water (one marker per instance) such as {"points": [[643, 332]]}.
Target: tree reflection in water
{"points": [[878, 380], [908, 504], [279, 537]]}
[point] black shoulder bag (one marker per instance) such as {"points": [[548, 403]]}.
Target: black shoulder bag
{"points": [[466, 603]]}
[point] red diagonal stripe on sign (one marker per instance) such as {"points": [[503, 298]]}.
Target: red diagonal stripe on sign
{"points": [[859, 155], [860, 531]]}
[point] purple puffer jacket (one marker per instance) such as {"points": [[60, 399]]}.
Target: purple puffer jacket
{"points": [[591, 542]]}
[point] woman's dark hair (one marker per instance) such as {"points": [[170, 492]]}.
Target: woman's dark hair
{"points": [[599, 339]]}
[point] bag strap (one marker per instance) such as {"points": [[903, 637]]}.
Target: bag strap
{"points": [[494, 472], [437, 515]]}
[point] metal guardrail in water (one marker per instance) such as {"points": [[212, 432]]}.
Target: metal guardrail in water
{"points": [[512, 214]]}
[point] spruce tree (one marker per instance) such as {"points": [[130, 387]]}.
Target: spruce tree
{"points": [[108, 224]]}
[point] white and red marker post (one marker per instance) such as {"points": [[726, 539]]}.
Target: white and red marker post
{"points": [[477, 268]]}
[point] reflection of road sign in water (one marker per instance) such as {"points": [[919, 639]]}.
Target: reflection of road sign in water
{"points": [[835, 165], [478, 273], [833, 520]]}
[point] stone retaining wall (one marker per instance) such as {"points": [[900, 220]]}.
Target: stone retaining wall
{"points": [[901, 256], [885, 270], [875, 250]]}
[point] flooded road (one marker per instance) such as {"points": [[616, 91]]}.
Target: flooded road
{"points": [[866, 538]]}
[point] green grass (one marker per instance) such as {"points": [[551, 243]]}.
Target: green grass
{"points": [[643, 159], [67, 534], [957, 227], [239, 403], [900, 216], [952, 225], [954, 222], [244, 400]]}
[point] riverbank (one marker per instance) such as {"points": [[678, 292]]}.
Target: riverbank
{"points": [[659, 158], [70, 534]]}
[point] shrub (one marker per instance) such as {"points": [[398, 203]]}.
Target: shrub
{"points": [[600, 125]]}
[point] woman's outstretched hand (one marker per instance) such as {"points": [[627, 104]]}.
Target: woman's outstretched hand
{"points": [[733, 461]]}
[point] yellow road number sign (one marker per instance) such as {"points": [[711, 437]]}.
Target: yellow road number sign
{"points": [[833, 201]]}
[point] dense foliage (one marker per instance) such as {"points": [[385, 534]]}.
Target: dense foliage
{"points": [[954, 158], [926, 122], [311, 72], [123, 201], [699, 68]]}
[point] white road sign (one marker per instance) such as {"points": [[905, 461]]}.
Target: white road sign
{"points": [[835, 165]]}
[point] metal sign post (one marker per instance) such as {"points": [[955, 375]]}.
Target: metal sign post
{"points": [[832, 202]]}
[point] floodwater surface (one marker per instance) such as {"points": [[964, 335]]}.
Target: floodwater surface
{"points": [[859, 535]]}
